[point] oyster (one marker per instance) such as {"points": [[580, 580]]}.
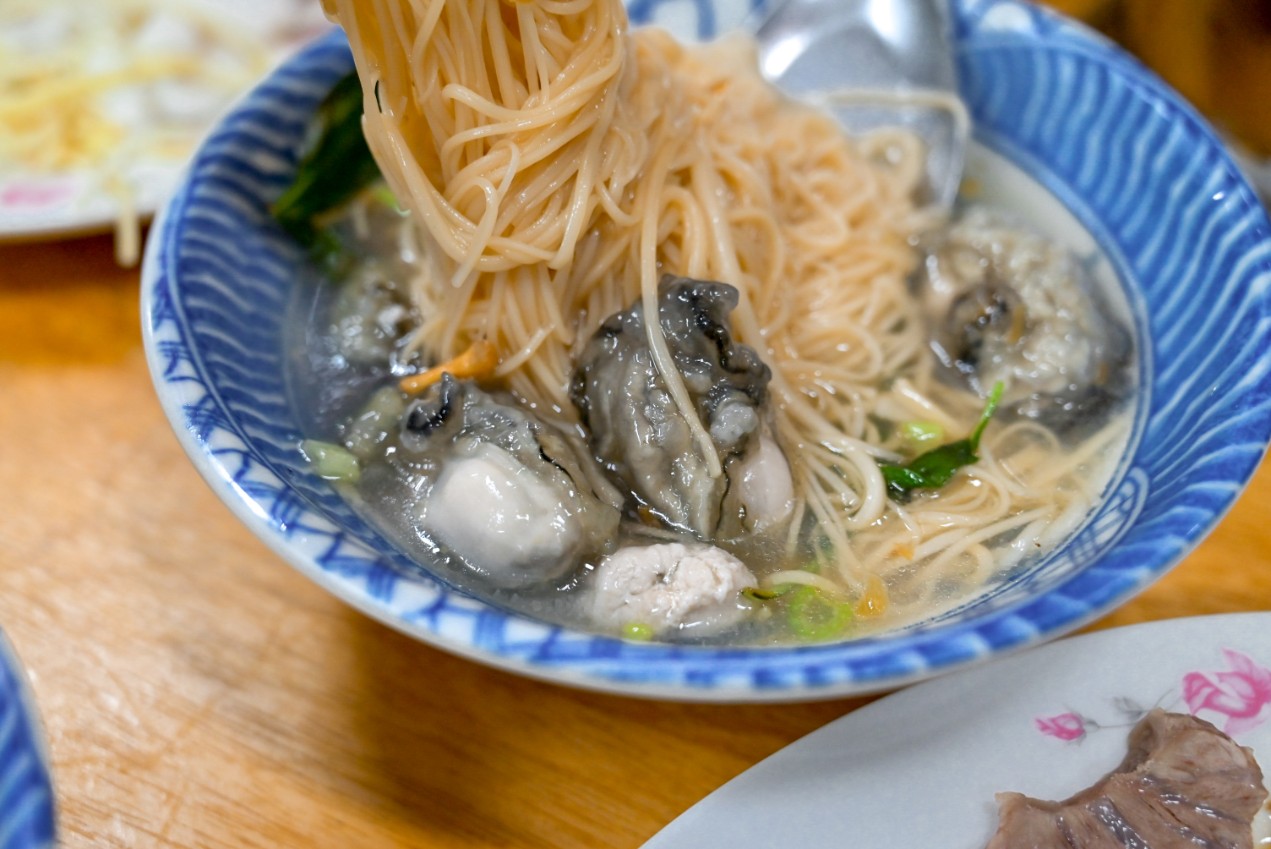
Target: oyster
{"points": [[1011, 306], [507, 495], [636, 430]]}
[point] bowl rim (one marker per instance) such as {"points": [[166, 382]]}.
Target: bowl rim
{"points": [[36, 819], [836, 668]]}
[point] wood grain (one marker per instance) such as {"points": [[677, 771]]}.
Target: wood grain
{"points": [[1216, 53], [197, 692]]}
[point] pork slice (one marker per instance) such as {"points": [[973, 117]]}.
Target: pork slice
{"points": [[1098, 824], [1025, 822], [1183, 783]]}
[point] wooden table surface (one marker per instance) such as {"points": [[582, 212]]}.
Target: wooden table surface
{"points": [[198, 692]]}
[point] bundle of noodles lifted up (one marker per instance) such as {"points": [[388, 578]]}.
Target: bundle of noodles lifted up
{"points": [[560, 165]]}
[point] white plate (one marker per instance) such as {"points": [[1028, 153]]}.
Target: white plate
{"points": [[37, 205], [921, 767]]}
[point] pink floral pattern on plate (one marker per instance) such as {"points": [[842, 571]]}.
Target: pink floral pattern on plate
{"points": [[34, 195], [1066, 726], [1238, 697], [1241, 694]]}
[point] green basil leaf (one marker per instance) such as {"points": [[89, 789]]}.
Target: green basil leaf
{"points": [[935, 468], [334, 169]]}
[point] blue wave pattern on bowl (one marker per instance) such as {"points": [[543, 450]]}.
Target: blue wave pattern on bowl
{"points": [[26, 793], [1119, 154], [1128, 162]]}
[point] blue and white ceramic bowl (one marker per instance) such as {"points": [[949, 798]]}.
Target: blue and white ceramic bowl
{"points": [[26, 793], [1069, 130]]}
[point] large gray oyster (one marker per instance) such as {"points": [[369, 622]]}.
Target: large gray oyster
{"points": [[637, 432], [507, 495], [1011, 306]]}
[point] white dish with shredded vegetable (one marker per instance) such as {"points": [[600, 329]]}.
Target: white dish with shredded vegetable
{"points": [[101, 103]]}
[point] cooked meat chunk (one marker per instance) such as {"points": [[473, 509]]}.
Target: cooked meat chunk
{"points": [[692, 589], [1183, 784]]}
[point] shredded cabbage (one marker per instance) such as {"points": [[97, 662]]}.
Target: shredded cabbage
{"points": [[112, 87]]}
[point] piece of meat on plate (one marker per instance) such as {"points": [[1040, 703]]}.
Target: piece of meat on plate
{"points": [[1183, 783]]}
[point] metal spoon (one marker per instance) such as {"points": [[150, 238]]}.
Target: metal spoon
{"points": [[875, 63]]}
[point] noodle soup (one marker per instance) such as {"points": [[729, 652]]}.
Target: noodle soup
{"points": [[847, 416]]}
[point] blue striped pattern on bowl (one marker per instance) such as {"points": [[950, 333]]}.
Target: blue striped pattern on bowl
{"points": [[1134, 164], [26, 793]]}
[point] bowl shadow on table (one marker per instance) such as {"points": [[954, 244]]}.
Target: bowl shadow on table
{"points": [[459, 747]]}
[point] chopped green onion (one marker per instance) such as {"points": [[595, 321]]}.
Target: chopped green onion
{"points": [[990, 407], [366, 432], [761, 593], [637, 631], [331, 462], [919, 434], [815, 616], [384, 195], [937, 467]]}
